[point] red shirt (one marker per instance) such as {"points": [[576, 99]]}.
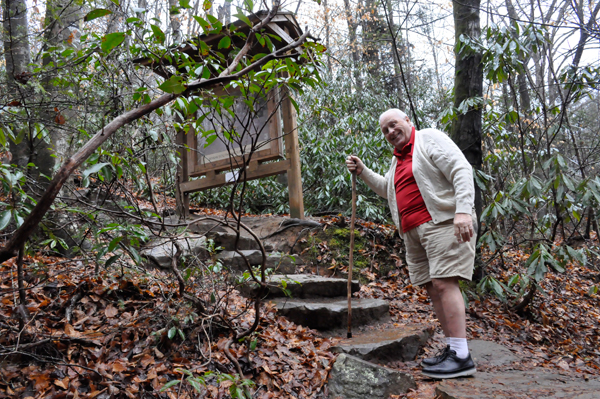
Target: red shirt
{"points": [[411, 206]]}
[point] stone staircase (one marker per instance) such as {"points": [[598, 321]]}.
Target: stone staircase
{"points": [[319, 303]]}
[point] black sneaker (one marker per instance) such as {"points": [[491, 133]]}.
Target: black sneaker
{"points": [[432, 361], [451, 367]]}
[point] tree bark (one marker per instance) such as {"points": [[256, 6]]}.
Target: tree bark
{"points": [[327, 34], [352, 26], [17, 55], [521, 77], [371, 34], [16, 41], [175, 22], [62, 17], [468, 83]]}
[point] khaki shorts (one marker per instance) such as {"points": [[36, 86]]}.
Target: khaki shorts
{"points": [[433, 251]]}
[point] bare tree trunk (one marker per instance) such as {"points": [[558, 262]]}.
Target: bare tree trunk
{"points": [[327, 33], [16, 42], [468, 83], [225, 13], [584, 31], [521, 78], [62, 18], [354, 47], [17, 58], [142, 15], [113, 19], [192, 25], [175, 22], [403, 80], [371, 34]]}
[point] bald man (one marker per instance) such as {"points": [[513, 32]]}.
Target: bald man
{"points": [[430, 192]]}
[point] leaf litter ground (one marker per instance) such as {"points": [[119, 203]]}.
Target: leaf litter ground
{"points": [[112, 335]]}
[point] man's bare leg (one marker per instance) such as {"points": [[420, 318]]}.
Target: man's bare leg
{"points": [[449, 305], [446, 292], [436, 300]]}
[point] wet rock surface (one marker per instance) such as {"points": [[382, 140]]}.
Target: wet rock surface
{"points": [[491, 354], [305, 286], [354, 378], [397, 343], [517, 384], [332, 313], [276, 261]]}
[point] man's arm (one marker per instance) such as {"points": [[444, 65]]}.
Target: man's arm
{"points": [[375, 181], [452, 163], [450, 160]]}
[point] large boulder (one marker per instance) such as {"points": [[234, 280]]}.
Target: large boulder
{"points": [[163, 250], [227, 241], [353, 378]]}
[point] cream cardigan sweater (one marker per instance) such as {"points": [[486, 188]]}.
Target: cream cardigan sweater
{"points": [[443, 175]]}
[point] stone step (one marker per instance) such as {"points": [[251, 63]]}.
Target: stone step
{"points": [[353, 378], [304, 286], [382, 346], [330, 314], [279, 262]]}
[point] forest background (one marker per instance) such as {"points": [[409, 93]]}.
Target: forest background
{"points": [[526, 114]]}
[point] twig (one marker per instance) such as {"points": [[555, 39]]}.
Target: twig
{"points": [[74, 299], [232, 359], [24, 315], [175, 267]]}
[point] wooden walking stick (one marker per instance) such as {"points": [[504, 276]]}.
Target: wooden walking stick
{"points": [[351, 258]]}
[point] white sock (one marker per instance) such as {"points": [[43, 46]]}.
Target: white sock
{"points": [[458, 345]]}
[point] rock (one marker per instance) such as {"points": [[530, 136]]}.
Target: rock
{"points": [[163, 250], [398, 343], [517, 384], [282, 263], [491, 354], [332, 313], [304, 286], [276, 233], [235, 262], [353, 378], [226, 240]]}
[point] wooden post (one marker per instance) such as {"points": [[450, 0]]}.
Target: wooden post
{"points": [[183, 174], [351, 258], [292, 151]]}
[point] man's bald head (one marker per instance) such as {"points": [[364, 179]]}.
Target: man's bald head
{"points": [[392, 112]]}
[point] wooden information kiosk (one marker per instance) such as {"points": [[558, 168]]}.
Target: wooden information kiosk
{"points": [[217, 164]]}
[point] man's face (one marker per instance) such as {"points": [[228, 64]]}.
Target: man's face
{"points": [[397, 130]]}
